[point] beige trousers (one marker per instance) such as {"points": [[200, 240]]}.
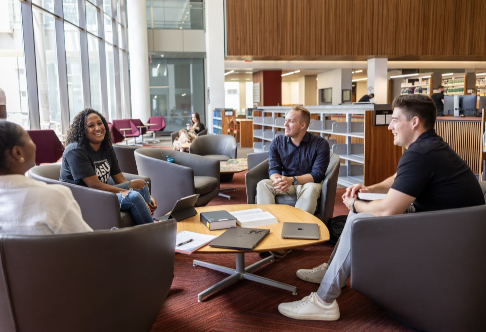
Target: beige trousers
{"points": [[307, 194]]}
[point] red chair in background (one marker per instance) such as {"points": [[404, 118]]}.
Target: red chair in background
{"points": [[128, 128], [49, 147], [116, 135], [141, 128], [158, 124]]}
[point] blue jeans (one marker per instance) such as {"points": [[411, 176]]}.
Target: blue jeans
{"points": [[135, 202]]}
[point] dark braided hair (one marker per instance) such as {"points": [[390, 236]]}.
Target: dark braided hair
{"points": [[10, 136], [77, 130]]}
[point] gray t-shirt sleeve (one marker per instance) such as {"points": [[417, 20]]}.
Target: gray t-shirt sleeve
{"points": [[79, 164]]}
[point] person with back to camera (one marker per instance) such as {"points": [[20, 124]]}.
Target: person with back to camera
{"points": [[366, 98], [430, 176], [438, 99], [196, 124], [28, 206], [89, 160]]}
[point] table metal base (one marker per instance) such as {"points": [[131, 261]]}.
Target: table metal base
{"points": [[239, 274], [226, 189]]}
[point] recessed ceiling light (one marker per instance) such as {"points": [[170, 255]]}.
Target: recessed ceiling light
{"points": [[448, 74], [182, 95], [162, 55], [481, 74], [360, 79], [230, 72], [358, 71]]}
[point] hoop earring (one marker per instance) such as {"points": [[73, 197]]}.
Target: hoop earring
{"points": [[21, 159]]}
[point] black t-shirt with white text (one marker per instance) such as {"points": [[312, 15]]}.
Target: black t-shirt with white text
{"points": [[79, 163], [436, 176]]}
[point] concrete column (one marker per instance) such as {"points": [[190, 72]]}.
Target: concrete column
{"points": [[214, 19], [378, 80], [308, 90], [139, 68], [337, 79]]}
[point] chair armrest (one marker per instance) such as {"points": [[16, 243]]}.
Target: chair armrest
{"points": [[328, 195], [201, 165], [252, 177], [173, 136], [106, 216]]}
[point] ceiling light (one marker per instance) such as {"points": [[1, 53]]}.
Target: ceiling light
{"points": [[249, 72], [481, 74], [358, 71], [182, 95], [158, 66], [426, 76], [448, 74], [407, 75], [297, 71], [352, 72], [155, 97], [162, 55], [247, 79], [230, 72], [234, 79], [317, 79], [360, 79]]}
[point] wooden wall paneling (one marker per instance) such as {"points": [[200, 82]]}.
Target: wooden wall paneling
{"points": [[355, 29], [381, 155]]}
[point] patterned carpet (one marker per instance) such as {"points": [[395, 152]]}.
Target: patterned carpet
{"points": [[250, 306]]}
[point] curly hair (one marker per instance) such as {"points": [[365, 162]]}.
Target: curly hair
{"points": [[77, 130], [10, 136]]}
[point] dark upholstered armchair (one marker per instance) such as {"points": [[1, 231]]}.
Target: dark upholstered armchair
{"points": [[49, 147], [219, 147], [325, 204], [96, 281], [100, 209], [425, 269], [190, 174], [126, 158]]}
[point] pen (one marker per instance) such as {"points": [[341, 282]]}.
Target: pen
{"points": [[183, 243]]}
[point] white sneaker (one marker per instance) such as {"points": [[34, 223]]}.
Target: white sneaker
{"points": [[314, 275], [310, 308]]}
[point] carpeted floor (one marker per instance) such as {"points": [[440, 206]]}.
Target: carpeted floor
{"points": [[250, 306]]}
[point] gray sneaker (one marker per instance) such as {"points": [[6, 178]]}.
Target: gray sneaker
{"points": [[314, 275]]}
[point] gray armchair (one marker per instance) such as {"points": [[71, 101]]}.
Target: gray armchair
{"points": [[255, 158], [425, 269], [100, 209], [190, 174], [219, 147], [126, 158], [96, 281], [325, 204]]}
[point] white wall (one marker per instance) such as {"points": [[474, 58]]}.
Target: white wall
{"points": [[290, 93], [361, 88], [337, 79], [170, 40]]}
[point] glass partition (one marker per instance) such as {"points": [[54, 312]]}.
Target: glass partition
{"points": [[162, 14]]}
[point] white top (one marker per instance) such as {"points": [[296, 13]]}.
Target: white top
{"points": [[3, 99], [31, 207]]}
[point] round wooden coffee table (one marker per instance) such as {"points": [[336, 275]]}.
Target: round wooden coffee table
{"points": [[273, 241]]}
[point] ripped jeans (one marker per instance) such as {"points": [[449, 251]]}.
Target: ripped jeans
{"points": [[135, 202]]}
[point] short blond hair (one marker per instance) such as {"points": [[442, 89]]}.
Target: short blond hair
{"points": [[304, 114]]}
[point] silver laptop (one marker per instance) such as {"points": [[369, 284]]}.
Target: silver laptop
{"points": [[183, 209], [296, 230]]}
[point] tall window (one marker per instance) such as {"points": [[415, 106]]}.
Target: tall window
{"points": [[94, 72], [73, 66]]}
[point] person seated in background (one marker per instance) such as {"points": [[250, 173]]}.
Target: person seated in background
{"points": [[185, 137], [89, 160], [196, 124], [366, 98], [28, 206], [430, 176], [297, 163]]}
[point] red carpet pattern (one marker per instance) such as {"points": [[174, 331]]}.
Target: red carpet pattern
{"points": [[250, 306]]}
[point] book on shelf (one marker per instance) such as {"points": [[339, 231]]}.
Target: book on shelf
{"points": [[188, 242], [254, 218], [218, 220], [370, 196]]}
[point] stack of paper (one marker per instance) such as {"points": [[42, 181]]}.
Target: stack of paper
{"points": [[254, 218], [188, 242], [370, 196]]}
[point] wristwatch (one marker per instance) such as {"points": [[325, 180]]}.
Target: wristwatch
{"points": [[351, 206], [294, 181]]}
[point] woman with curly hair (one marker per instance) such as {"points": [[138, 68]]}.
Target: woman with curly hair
{"points": [[89, 160], [28, 206]]}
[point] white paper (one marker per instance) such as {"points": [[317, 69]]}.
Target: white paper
{"points": [[380, 119], [242, 212], [198, 241], [370, 196]]}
